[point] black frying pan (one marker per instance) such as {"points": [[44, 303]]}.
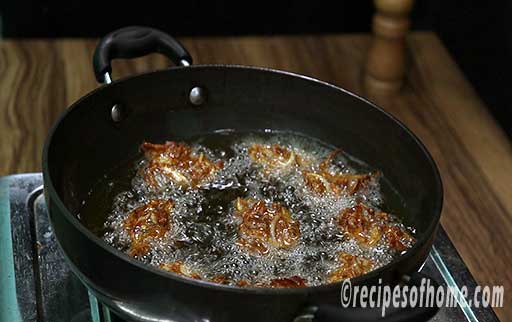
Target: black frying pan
{"points": [[106, 126]]}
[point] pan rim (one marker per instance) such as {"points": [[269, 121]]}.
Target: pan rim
{"points": [[429, 232]]}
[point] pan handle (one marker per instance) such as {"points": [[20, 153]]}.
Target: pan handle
{"points": [[132, 42], [332, 313]]}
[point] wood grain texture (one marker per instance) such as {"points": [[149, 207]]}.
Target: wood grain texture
{"points": [[39, 79]]}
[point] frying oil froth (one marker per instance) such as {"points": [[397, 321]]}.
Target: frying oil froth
{"points": [[204, 228]]}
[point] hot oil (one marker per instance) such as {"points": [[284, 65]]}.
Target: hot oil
{"points": [[204, 226]]}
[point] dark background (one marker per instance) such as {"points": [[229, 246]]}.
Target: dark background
{"points": [[477, 33]]}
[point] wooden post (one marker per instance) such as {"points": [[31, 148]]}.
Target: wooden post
{"points": [[385, 65]]}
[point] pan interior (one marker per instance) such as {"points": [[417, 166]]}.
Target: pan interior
{"points": [[204, 223]]}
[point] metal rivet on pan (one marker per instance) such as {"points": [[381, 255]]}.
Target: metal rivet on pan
{"points": [[116, 113], [197, 96]]}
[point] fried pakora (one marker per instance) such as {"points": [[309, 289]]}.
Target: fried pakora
{"points": [[178, 163], [362, 223], [263, 226], [398, 238], [274, 157], [368, 227], [350, 266], [147, 222], [325, 181]]}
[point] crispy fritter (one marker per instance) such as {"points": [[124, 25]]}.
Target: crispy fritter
{"points": [[180, 268], [323, 181], [273, 157], [317, 183], [350, 266], [350, 183], [398, 238], [368, 226], [264, 226], [361, 223], [177, 162], [149, 221]]}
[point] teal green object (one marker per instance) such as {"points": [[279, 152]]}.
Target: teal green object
{"points": [[450, 281], [9, 310], [98, 311]]}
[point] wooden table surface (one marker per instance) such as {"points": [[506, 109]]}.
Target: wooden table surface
{"points": [[40, 78]]}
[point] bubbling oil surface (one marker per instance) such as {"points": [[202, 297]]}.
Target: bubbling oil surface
{"points": [[205, 226]]}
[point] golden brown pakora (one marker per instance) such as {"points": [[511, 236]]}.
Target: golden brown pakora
{"points": [[350, 266], [324, 181], [398, 238], [178, 163], [147, 222], [317, 183], [367, 226], [273, 157], [362, 223], [263, 226]]}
